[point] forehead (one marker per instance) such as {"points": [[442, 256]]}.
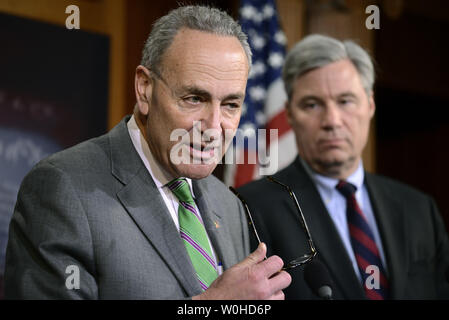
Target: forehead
{"points": [[331, 80], [196, 53]]}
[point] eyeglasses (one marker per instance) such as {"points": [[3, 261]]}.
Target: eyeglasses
{"points": [[302, 259]]}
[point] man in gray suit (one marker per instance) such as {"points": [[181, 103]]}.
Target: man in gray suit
{"points": [[106, 218]]}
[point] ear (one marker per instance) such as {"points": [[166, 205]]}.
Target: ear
{"points": [[289, 112], [143, 86]]}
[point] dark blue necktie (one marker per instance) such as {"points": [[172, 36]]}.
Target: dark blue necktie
{"points": [[364, 245]]}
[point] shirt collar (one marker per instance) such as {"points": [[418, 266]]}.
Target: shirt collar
{"points": [[328, 185], [160, 176]]}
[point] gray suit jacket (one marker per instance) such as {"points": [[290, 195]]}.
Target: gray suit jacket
{"points": [[96, 207]]}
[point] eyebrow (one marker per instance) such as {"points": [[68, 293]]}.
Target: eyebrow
{"points": [[201, 92], [347, 94], [313, 97], [235, 96]]}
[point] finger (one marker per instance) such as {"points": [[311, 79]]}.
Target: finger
{"points": [[280, 281], [279, 295], [255, 257], [271, 266]]}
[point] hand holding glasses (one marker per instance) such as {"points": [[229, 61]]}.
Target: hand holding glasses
{"points": [[302, 259]]}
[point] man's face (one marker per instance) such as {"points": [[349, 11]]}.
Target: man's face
{"points": [[330, 113], [199, 93]]}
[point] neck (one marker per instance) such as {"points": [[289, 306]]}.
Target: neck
{"points": [[336, 170], [140, 121]]}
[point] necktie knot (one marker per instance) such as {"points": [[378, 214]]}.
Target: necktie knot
{"points": [[346, 189], [181, 190]]}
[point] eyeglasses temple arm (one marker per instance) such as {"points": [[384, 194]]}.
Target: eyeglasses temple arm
{"points": [[302, 218], [248, 214]]}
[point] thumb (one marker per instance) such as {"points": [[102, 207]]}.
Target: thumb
{"points": [[256, 256]]}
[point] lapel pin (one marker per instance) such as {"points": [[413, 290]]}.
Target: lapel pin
{"points": [[217, 225]]}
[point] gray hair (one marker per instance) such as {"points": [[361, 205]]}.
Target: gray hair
{"points": [[316, 51], [200, 18]]}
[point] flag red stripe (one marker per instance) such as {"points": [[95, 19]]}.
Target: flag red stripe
{"points": [[244, 172], [279, 121]]}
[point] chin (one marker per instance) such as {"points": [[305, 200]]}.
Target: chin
{"points": [[196, 171], [336, 165], [334, 156]]}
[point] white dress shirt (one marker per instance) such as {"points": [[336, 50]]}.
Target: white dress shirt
{"points": [[335, 203], [160, 176]]}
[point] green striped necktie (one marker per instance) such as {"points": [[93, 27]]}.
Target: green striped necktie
{"points": [[193, 234]]}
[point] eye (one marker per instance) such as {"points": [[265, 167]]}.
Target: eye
{"points": [[345, 101], [194, 99], [310, 105], [232, 105]]}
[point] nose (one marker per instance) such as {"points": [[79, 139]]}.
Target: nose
{"points": [[212, 122], [331, 118]]}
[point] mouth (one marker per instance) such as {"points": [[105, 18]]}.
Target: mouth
{"points": [[331, 143], [202, 151]]}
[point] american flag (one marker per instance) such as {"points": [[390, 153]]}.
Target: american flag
{"points": [[265, 97]]}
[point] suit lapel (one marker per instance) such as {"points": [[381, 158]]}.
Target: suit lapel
{"points": [[391, 222], [324, 234], [145, 205], [216, 230]]}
